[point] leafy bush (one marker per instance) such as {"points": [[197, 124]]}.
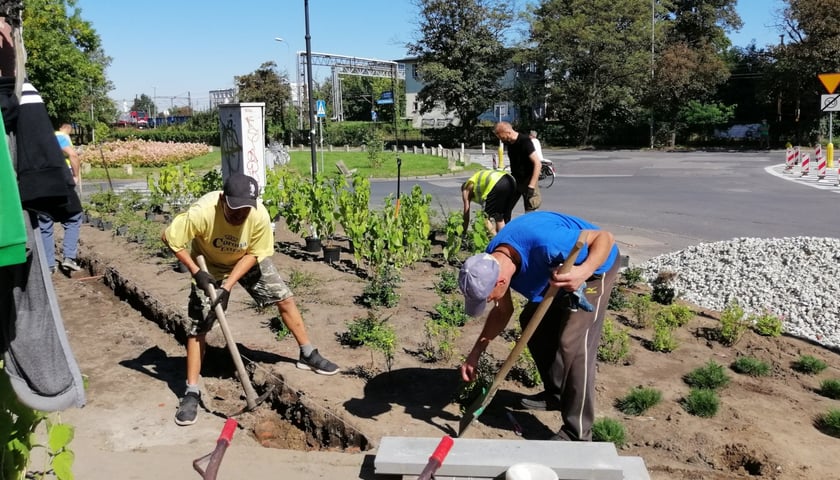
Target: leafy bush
{"points": [[809, 365], [751, 366], [630, 276], [663, 294], [639, 400], [609, 430], [701, 403], [829, 422], [830, 388], [708, 377], [451, 311], [767, 324], [733, 324], [663, 337], [448, 282], [615, 342], [641, 305], [374, 333], [525, 369], [618, 300], [440, 340], [485, 372], [381, 289]]}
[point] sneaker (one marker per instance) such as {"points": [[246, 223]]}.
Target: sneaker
{"points": [[70, 264], [53, 269], [538, 402], [317, 363], [188, 409]]}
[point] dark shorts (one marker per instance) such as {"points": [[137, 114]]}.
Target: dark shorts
{"points": [[262, 282], [500, 200]]}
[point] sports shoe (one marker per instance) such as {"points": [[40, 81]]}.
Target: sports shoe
{"points": [[70, 264], [53, 269], [188, 409], [538, 402], [317, 364]]}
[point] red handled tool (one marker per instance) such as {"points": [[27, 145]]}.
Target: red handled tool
{"points": [[214, 458], [437, 458]]}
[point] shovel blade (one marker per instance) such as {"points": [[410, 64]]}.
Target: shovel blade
{"points": [[470, 414]]}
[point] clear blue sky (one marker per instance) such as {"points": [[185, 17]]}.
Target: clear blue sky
{"points": [[174, 48]]}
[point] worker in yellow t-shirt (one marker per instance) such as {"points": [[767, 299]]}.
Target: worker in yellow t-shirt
{"points": [[495, 190]]}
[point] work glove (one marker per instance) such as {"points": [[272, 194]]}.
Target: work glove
{"points": [[222, 297], [203, 280], [577, 300], [530, 192]]}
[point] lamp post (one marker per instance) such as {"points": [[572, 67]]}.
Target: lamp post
{"points": [[652, 62], [310, 92], [288, 52]]}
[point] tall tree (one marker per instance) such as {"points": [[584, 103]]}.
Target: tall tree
{"points": [[597, 59], [267, 84], [65, 61], [461, 56]]}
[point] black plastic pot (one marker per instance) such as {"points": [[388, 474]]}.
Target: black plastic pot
{"points": [[332, 253], [313, 244]]}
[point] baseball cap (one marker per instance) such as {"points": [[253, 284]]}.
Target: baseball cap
{"points": [[241, 191], [476, 280]]}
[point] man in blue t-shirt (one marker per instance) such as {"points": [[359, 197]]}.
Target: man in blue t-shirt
{"points": [[525, 256]]}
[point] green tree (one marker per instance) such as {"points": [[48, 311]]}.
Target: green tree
{"points": [[597, 56], [267, 84], [461, 56], [702, 118], [144, 103], [65, 61]]}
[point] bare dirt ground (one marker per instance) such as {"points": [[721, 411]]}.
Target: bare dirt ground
{"points": [[135, 367]]}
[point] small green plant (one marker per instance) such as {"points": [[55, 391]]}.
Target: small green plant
{"points": [[609, 430], [701, 402], [618, 300], [525, 369], [301, 279], [662, 292], [440, 340], [375, 333], [830, 388], [642, 306], [663, 337], [381, 289], [751, 366], [454, 236], [485, 372], [829, 422], [809, 365], [680, 314], [639, 400], [451, 311], [710, 376], [280, 330], [615, 342], [631, 276], [447, 283], [767, 324], [733, 324]]}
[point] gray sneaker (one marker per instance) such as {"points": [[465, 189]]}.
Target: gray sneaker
{"points": [[188, 409], [70, 264], [317, 364]]}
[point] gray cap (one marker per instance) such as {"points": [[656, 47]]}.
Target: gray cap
{"points": [[476, 280]]}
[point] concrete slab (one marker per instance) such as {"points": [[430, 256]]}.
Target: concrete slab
{"points": [[487, 459]]}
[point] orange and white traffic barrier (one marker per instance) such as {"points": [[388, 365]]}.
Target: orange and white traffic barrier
{"points": [[806, 164], [820, 162], [790, 157]]}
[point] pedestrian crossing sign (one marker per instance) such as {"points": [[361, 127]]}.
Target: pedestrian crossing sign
{"points": [[321, 108]]}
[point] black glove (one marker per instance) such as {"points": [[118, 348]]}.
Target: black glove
{"points": [[530, 192], [203, 280], [222, 297]]}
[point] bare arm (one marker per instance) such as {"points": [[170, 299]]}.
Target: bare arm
{"points": [[535, 175], [466, 191], [600, 245], [496, 321], [75, 163]]}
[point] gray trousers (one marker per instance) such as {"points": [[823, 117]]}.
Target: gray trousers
{"points": [[565, 349]]}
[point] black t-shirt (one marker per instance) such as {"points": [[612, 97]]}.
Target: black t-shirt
{"points": [[521, 166]]}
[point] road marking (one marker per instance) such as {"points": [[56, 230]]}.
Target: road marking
{"points": [[828, 183]]}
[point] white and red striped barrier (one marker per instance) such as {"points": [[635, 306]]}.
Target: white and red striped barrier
{"points": [[806, 164], [790, 157], [820, 158]]}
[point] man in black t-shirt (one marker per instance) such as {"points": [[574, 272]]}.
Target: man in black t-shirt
{"points": [[524, 164]]}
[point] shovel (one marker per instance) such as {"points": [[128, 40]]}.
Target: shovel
{"points": [[212, 460], [478, 406], [251, 398]]}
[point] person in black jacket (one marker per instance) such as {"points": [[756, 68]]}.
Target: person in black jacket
{"points": [[524, 164]]}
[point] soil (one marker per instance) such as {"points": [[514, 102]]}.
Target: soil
{"points": [[128, 345]]}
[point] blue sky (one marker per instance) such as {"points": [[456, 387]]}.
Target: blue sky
{"points": [[178, 48]]}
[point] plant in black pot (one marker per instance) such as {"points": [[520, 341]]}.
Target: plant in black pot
{"points": [[324, 215]]}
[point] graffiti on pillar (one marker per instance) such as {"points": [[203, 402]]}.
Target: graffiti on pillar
{"points": [[253, 133], [231, 146]]}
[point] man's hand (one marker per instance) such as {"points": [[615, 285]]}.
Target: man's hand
{"points": [[530, 192], [222, 297], [204, 280]]}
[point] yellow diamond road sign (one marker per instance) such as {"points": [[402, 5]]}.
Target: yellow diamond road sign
{"points": [[830, 81]]}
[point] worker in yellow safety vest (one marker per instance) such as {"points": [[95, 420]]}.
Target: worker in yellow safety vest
{"points": [[495, 191]]}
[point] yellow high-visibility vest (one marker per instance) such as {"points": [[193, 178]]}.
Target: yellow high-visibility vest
{"points": [[483, 182]]}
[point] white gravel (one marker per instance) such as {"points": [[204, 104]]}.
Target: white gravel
{"points": [[795, 278]]}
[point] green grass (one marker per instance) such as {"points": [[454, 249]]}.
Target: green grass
{"points": [[830, 388], [639, 400], [829, 422], [609, 430], [710, 376], [751, 366], [809, 365], [701, 402]]}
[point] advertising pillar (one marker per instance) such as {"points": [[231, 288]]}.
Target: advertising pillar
{"points": [[242, 140]]}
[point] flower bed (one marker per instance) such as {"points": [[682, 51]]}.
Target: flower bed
{"points": [[142, 153]]}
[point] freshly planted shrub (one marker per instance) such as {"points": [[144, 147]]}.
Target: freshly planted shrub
{"points": [[525, 369], [631, 276], [751, 366], [829, 422], [733, 324], [767, 324], [381, 289], [701, 403], [280, 330], [615, 342], [663, 337], [618, 300], [709, 377], [440, 340], [681, 314], [485, 373], [830, 388], [663, 294], [451, 311], [609, 430], [374, 333], [448, 282], [809, 365], [639, 400], [641, 306]]}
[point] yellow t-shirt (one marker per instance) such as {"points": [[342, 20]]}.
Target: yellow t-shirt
{"points": [[204, 229]]}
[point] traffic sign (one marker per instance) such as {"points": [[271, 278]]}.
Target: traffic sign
{"points": [[321, 108], [830, 103], [830, 81]]}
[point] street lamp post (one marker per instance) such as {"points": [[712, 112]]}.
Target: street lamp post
{"points": [[310, 92], [288, 53]]}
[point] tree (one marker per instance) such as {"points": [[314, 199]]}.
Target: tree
{"points": [[597, 59], [267, 84], [144, 103], [461, 56], [65, 61]]}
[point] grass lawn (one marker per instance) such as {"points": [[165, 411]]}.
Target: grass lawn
{"points": [[412, 165]]}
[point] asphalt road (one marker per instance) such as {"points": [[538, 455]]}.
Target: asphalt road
{"points": [[658, 202]]}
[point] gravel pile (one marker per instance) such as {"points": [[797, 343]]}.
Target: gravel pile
{"points": [[793, 277]]}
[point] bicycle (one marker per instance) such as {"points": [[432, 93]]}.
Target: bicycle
{"points": [[547, 174]]}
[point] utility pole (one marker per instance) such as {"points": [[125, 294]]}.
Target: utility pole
{"points": [[310, 91]]}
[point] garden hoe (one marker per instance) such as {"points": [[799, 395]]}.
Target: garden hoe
{"points": [[251, 398], [478, 406]]}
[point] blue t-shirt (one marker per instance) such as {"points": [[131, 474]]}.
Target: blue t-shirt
{"points": [[543, 240]]}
